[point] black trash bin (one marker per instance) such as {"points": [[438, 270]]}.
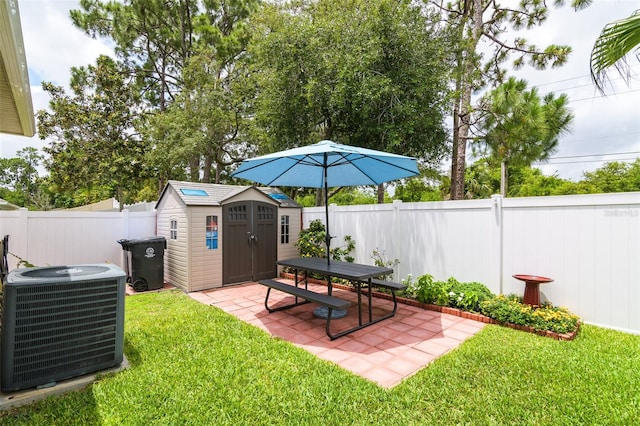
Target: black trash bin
{"points": [[145, 264]]}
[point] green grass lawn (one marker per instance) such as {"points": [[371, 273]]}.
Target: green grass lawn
{"points": [[194, 364]]}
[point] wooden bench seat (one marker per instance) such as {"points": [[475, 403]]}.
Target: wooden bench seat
{"points": [[331, 302]]}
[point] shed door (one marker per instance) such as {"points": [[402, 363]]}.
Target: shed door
{"points": [[249, 241]]}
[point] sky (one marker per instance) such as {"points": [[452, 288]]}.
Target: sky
{"points": [[605, 128]]}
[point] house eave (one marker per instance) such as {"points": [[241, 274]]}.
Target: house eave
{"points": [[16, 106]]}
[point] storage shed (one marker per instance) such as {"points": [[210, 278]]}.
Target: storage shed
{"points": [[224, 234]]}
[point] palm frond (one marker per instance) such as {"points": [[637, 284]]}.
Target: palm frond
{"points": [[616, 41]]}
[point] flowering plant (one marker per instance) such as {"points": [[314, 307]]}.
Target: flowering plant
{"points": [[510, 309], [476, 297], [452, 293]]}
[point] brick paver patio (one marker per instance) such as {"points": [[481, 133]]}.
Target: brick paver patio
{"points": [[386, 352]]}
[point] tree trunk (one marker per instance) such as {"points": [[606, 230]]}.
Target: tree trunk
{"points": [[219, 167], [120, 198], [453, 190], [462, 109], [460, 135], [194, 169], [319, 197], [208, 161], [381, 193], [503, 179], [161, 183]]}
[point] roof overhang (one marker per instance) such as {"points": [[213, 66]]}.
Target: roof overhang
{"points": [[16, 106], [5, 205]]}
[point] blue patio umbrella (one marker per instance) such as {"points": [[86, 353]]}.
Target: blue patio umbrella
{"points": [[327, 164]]}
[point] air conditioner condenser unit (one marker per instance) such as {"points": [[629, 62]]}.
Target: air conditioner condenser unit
{"points": [[61, 322]]}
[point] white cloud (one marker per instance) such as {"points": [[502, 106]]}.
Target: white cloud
{"points": [[53, 45], [603, 124]]}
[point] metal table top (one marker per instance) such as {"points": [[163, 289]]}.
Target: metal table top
{"points": [[339, 269]]}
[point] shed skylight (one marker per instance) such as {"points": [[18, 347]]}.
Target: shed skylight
{"points": [[194, 192], [278, 196]]}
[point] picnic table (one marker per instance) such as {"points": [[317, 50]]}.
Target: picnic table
{"points": [[359, 275]]}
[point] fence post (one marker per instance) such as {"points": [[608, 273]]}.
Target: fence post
{"points": [[126, 225], [332, 220], [496, 206], [19, 241], [396, 243], [126, 222]]}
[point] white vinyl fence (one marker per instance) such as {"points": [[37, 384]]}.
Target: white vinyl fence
{"points": [[70, 237], [589, 244]]}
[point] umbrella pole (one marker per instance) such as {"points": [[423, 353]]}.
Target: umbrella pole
{"points": [[326, 211]]}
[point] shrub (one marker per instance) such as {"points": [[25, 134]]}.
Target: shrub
{"points": [[465, 296], [311, 243], [510, 309], [379, 259], [426, 290], [476, 297]]}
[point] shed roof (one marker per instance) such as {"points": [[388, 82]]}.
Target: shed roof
{"points": [[211, 194], [5, 205], [112, 205]]}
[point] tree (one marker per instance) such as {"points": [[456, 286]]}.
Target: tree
{"points": [[12, 183], [203, 130], [530, 182], [152, 37], [612, 177], [181, 53], [430, 186], [19, 175], [474, 20], [32, 159], [482, 179], [93, 143], [365, 73], [611, 48], [518, 127]]}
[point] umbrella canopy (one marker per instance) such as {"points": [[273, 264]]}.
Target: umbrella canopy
{"points": [[327, 164]]}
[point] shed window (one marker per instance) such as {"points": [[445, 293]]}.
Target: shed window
{"points": [[173, 230], [284, 229], [212, 232], [266, 213], [237, 213]]}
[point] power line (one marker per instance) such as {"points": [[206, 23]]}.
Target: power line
{"points": [[608, 137], [603, 96], [634, 72], [609, 160], [593, 155], [597, 95], [601, 160], [631, 67], [562, 89]]}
